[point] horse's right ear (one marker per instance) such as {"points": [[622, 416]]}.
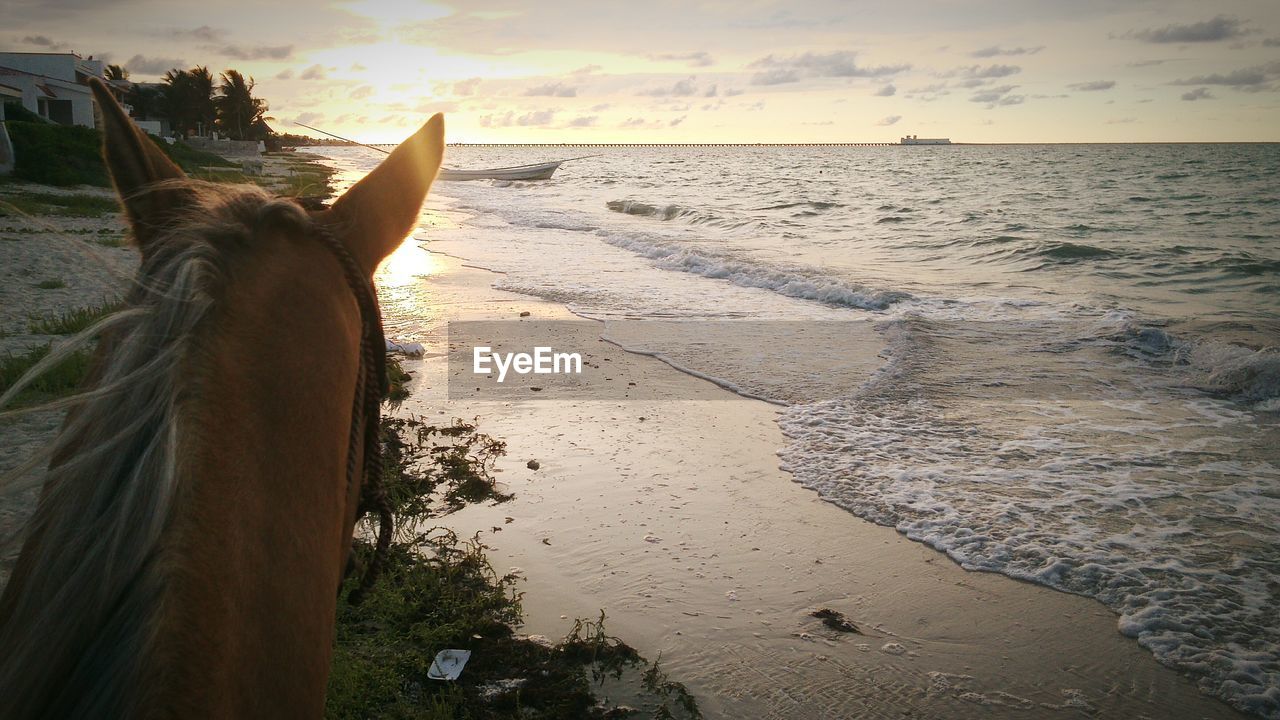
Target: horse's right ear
{"points": [[377, 213], [136, 164]]}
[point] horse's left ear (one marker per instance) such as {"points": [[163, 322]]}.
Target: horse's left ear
{"points": [[136, 165], [377, 213]]}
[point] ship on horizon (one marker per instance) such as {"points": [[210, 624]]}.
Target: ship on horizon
{"points": [[917, 140]]}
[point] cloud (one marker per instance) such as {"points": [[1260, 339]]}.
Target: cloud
{"points": [[887, 91], [998, 96], [309, 117], [529, 119], [315, 72], [1271, 42], [711, 92], [552, 89], [977, 72], [203, 33], [733, 92], [1251, 79], [1221, 27], [1197, 94], [286, 74], [776, 76], [890, 120], [995, 50], [583, 121], [586, 70], [265, 52], [633, 122], [1121, 121], [361, 92], [44, 41], [700, 58], [153, 66], [464, 88], [601, 107], [682, 88], [1093, 85], [677, 121], [832, 64]]}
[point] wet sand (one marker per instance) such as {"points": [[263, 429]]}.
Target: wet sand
{"points": [[673, 517]]}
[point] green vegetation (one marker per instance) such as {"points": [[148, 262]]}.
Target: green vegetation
{"points": [[15, 112], [62, 379], [70, 323], [38, 203], [438, 591], [51, 284], [190, 159], [70, 155], [310, 182], [57, 154], [398, 382]]}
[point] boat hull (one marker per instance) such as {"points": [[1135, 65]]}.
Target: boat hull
{"points": [[538, 171]]}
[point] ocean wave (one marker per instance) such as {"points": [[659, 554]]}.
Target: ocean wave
{"points": [[793, 282], [810, 204], [676, 212], [1070, 251], [1250, 375]]}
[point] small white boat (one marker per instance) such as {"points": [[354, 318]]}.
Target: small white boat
{"points": [[536, 171]]}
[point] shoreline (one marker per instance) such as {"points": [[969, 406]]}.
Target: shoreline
{"points": [[674, 518]]}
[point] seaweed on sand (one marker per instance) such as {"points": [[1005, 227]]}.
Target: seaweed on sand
{"points": [[438, 591]]}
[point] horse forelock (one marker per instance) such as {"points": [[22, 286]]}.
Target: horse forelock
{"points": [[76, 622]]}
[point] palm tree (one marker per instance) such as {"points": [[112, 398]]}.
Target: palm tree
{"points": [[238, 110], [145, 101], [202, 98], [187, 97], [116, 72], [175, 99]]}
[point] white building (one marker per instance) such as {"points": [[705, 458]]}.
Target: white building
{"points": [[51, 85]]}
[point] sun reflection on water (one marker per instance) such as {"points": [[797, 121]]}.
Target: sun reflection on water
{"points": [[404, 289]]}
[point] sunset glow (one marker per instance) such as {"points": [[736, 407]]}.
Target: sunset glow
{"points": [[714, 72]]}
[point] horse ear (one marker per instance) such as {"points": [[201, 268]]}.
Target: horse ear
{"points": [[136, 164], [377, 213]]}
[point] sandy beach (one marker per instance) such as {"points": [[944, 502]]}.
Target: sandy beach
{"points": [[673, 517]]}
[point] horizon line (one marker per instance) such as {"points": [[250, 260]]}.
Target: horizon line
{"points": [[828, 144]]}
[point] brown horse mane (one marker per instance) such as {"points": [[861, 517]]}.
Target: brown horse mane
{"points": [[79, 631]]}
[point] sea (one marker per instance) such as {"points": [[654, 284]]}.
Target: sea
{"points": [[1079, 376]]}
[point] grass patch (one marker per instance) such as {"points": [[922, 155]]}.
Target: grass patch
{"points": [[52, 284], [397, 381], [299, 184], [438, 591], [57, 154], [191, 159], [72, 155], [38, 203], [70, 323], [60, 380]]}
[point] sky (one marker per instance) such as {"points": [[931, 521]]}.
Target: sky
{"points": [[721, 71]]}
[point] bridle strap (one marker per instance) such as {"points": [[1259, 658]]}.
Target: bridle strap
{"points": [[371, 387]]}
